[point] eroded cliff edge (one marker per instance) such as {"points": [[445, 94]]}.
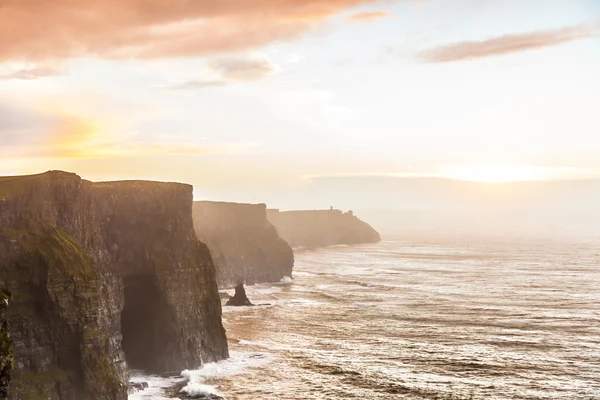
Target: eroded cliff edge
{"points": [[319, 228], [6, 352], [245, 247], [103, 275]]}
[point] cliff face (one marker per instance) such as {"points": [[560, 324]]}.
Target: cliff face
{"points": [[103, 275], [245, 247], [318, 228], [6, 352]]}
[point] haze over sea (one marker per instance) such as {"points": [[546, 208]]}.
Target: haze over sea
{"points": [[419, 319]]}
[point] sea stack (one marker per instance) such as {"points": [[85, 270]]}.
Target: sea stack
{"points": [[239, 298], [104, 277], [320, 228], [245, 246]]}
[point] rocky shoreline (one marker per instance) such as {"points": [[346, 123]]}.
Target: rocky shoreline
{"points": [[111, 276]]}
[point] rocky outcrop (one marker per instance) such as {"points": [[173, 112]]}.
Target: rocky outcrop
{"points": [[6, 351], [239, 298], [319, 228], [103, 275], [245, 247]]}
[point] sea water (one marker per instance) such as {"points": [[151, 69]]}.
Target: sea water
{"points": [[418, 319]]}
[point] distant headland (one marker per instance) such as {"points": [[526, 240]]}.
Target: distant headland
{"points": [[320, 228]]}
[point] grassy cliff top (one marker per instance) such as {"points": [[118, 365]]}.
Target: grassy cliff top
{"points": [[12, 186], [139, 184], [47, 174], [229, 203]]}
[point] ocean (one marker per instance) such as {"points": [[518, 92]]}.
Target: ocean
{"points": [[417, 319]]}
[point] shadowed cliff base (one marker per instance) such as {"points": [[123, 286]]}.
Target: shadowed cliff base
{"points": [[245, 246], [89, 262], [142, 321], [320, 228]]}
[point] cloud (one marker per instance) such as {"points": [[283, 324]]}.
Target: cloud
{"points": [[369, 16], [83, 137], [506, 44], [31, 73], [199, 84], [242, 69], [232, 69], [60, 29], [31, 135], [18, 126], [295, 58], [14, 118], [421, 4]]}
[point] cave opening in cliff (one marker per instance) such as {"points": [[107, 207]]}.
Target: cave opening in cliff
{"points": [[140, 322]]}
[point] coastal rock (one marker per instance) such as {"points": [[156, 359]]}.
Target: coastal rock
{"points": [[208, 396], [239, 298], [103, 276], [177, 392], [6, 351], [170, 374], [245, 247], [137, 386], [320, 228]]}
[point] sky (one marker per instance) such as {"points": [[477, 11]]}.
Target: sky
{"points": [[265, 100]]}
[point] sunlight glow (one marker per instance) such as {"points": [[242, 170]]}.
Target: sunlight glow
{"points": [[499, 173]]}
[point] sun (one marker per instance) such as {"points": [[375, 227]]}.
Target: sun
{"points": [[497, 173]]}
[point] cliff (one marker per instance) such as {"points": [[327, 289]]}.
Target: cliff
{"points": [[318, 228], [245, 247], [6, 353], [104, 276]]}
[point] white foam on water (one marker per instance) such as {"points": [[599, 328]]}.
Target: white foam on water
{"points": [[304, 303], [286, 279], [263, 289], [252, 343], [198, 389], [229, 309], [239, 362], [338, 246], [302, 273], [155, 388]]}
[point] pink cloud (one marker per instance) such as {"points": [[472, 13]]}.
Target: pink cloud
{"points": [[60, 29], [506, 44]]}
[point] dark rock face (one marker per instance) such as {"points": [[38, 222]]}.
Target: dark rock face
{"points": [[6, 351], [134, 387], [320, 228], [239, 298], [245, 247], [103, 273]]}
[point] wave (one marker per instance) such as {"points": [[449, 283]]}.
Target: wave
{"points": [[303, 273], [243, 342], [155, 389], [197, 382], [198, 389], [237, 363], [372, 284]]}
